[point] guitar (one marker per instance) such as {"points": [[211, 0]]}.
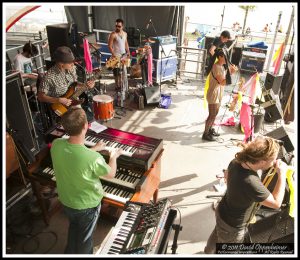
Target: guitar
{"points": [[73, 94], [115, 62]]}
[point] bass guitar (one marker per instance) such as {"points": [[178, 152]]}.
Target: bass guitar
{"points": [[73, 94]]}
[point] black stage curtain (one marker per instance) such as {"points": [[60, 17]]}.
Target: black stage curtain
{"points": [[164, 18]]}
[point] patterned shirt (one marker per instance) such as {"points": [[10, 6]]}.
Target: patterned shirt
{"points": [[56, 82]]}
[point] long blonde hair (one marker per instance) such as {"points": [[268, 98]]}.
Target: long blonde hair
{"points": [[260, 149]]}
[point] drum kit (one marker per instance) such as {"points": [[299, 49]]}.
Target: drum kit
{"points": [[103, 109], [103, 105]]}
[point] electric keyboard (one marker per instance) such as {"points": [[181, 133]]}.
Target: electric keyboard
{"points": [[139, 230], [137, 149]]}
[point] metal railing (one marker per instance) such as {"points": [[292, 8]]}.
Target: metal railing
{"points": [[185, 56], [38, 60]]}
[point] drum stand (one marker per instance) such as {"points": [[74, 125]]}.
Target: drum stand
{"points": [[124, 91]]}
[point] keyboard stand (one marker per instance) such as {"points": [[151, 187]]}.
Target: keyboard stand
{"points": [[37, 182]]}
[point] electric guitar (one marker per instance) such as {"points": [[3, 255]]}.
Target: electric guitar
{"points": [[73, 94], [115, 62]]}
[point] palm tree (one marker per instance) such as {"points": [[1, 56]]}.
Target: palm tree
{"points": [[247, 8]]}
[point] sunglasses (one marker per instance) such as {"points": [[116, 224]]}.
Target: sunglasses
{"points": [[118, 26]]}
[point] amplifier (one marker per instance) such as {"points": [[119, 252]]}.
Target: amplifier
{"points": [[169, 46], [273, 82], [250, 63], [273, 110], [253, 58], [164, 69]]}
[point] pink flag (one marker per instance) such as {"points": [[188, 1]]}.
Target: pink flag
{"points": [[245, 119], [150, 57], [87, 56], [277, 61], [250, 86]]}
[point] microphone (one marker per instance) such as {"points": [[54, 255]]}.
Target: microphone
{"points": [[147, 26]]}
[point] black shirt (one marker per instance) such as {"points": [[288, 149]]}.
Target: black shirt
{"points": [[244, 188], [218, 43]]}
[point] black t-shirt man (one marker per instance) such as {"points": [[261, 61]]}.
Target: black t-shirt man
{"points": [[244, 189]]}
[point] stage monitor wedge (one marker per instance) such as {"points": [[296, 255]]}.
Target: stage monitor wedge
{"points": [[281, 134]]}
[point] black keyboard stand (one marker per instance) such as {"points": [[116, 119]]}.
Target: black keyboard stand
{"points": [[177, 229], [167, 230]]}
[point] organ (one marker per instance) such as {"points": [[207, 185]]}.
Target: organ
{"points": [[138, 174]]}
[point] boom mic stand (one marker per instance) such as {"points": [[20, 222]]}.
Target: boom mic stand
{"points": [[226, 106]]}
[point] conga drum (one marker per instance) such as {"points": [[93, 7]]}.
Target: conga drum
{"points": [[103, 107]]}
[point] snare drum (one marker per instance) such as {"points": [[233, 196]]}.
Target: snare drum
{"points": [[103, 107]]}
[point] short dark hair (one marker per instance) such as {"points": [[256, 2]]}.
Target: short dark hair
{"points": [[119, 20], [30, 48], [225, 34]]}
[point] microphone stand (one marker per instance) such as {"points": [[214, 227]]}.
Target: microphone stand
{"points": [[161, 52], [99, 56]]}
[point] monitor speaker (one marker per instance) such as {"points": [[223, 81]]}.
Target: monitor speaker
{"points": [[281, 134], [64, 34], [19, 118], [151, 95], [273, 110], [273, 82]]}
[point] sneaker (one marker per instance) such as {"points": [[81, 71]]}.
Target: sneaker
{"points": [[208, 137], [213, 132]]}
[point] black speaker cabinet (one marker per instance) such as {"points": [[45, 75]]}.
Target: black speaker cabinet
{"points": [[64, 34], [19, 116], [273, 82], [281, 134], [151, 95], [273, 110]]}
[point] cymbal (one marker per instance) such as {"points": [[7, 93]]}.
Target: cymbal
{"points": [[91, 45], [148, 40]]}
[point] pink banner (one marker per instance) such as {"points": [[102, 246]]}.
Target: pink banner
{"points": [[150, 57], [245, 119], [277, 62], [251, 84], [87, 56]]}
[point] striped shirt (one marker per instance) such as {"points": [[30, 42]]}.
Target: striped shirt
{"points": [[55, 83]]}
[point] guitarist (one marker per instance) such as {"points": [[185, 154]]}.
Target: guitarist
{"points": [[118, 46], [59, 77]]}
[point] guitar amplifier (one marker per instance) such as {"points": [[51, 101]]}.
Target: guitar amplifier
{"points": [[253, 58], [165, 43], [273, 110]]}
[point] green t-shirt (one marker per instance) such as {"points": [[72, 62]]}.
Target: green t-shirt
{"points": [[77, 170]]}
